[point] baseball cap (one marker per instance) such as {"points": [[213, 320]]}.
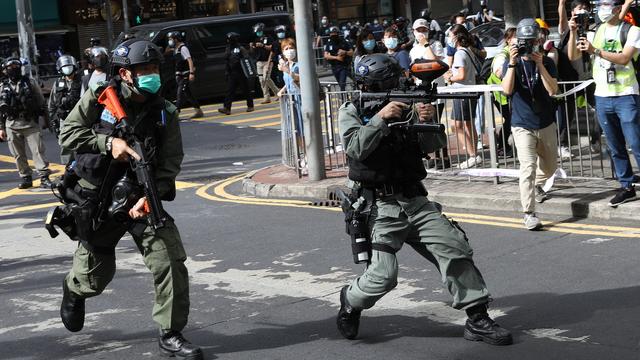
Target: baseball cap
{"points": [[420, 23]]}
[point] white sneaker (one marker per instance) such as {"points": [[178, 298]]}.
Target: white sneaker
{"points": [[564, 153], [479, 146], [471, 162], [531, 222]]}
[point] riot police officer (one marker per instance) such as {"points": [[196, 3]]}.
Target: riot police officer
{"points": [[261, 51], [89, 131], [21, 105], [386, 166], [99, 62], [65, 93], [234, 54], [185, 72]]}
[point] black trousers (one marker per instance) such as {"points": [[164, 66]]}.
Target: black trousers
{"points": [[236, 79], [184, 95]]}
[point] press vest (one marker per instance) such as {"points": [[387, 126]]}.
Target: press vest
{"points": [[625, 74]]}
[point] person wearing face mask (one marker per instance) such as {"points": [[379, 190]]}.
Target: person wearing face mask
{"points": [[234, 74], [185, 72], [89, 132], [377, 29], [65, 93], [21, 105], [392, 44], [99, 58], [365, 45], [276, 54], [261, 51], [338, 53], [613, 47], [288, 65], [530, 81], [323, 31]]}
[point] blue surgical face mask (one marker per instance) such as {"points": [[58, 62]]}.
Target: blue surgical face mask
{"points": [[259, 33], [280, 35], [369, 44], [391, 43], [149, 83]]}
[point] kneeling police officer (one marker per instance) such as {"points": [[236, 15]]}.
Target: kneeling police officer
{"points": [[386, 168], [89, 131]]}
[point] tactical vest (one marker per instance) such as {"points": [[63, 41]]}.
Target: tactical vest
{"points": [[147, 125], [66, 94], [397, 159], [181, 64], [22, 101]]}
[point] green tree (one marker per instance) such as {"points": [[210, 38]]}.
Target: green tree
{"points": [[515, 10]]}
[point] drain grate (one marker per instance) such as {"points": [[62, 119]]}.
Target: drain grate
{"points": [[326, 203]]}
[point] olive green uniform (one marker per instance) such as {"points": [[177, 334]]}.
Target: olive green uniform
{"points": [[23, 131], [397, 219], [161, 249]]}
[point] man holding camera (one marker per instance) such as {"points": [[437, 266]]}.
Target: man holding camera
{"points": [[530, 81], [21, 103], [613, 46], [386, 168]]}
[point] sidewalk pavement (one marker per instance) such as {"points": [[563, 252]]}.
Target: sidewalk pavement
{"points": [[568, 197]]}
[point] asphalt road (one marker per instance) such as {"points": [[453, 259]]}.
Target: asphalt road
{"points": [[265, 276]]}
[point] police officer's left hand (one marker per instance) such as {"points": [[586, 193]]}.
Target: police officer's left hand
{"points": [[138, 210], [426, 111]]}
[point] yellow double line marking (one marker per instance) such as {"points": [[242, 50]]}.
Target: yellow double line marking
{"points": [[220, 194]]}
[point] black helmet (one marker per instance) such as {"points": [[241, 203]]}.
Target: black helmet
{"points": [[258, 27], [425, 14], [280, 28], [66, 60], [176, 34], [11, 61], [95, 41], [233, 37], [99, 56], [334, 29], [379, 72], [400, 20], [135, 52], [527, 29]]}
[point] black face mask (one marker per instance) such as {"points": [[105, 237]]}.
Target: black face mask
{"points": [[335, 37], [14, 73]]}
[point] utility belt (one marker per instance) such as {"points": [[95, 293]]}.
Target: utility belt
{"points": [[407, 190]]}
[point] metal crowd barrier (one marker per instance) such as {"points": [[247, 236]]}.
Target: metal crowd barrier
{"points": [[582, 152]]}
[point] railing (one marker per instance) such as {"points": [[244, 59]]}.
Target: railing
{"points": [[581, 152]]}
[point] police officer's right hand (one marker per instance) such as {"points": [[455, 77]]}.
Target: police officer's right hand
{"points": [[121, 151], [3, 135], [392, 111]]}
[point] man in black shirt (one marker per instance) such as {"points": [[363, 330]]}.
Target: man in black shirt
{"points": [[235, 76], [185, 72], [261, 50], [338, 53]]}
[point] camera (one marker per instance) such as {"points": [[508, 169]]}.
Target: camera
{"points": [[583, 20], [527, 47], [6, 98]]}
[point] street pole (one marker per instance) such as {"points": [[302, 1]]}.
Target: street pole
{"points": [[107, 9], [309, 90], [27, 37], [125, 14]]}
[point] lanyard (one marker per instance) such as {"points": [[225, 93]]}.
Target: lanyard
{"points": [[531, 81]]}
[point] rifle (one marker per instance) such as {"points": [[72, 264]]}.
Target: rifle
{"points": [[142, 167]]}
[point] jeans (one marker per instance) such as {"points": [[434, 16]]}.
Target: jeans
{"points": [[341, 72], [480, 116], [620, 120]]}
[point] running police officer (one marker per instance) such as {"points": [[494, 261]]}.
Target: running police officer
{"points": [[185, 72], [88, 132], [21, 104], [387, 170], [261, 50], [99, 59], [65, 93]]}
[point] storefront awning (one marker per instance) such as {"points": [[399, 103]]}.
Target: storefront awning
{"points": [[60, 30]]}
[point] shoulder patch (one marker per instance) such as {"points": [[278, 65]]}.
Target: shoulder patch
{"points": [[98, 85], [106, 116]]}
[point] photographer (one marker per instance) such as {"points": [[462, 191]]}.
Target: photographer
{"points": [[385, 164], [21, 104], [530, 81], [613, 46]]}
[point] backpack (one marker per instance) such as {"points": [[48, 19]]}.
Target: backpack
{"points": [[478, 66], [485, 71]]}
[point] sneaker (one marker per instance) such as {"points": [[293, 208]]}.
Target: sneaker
{"points": [[531, 222], [480, 327], [564, 153], [471, 162], [224, 110], [541, 195], [348, 320], [198, 114], [623, 195]]}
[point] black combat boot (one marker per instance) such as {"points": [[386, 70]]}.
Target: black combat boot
{"points": [[71, 309], [480, 327], [348, 318], [26, 182], [172, 343], [45, 183]]}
